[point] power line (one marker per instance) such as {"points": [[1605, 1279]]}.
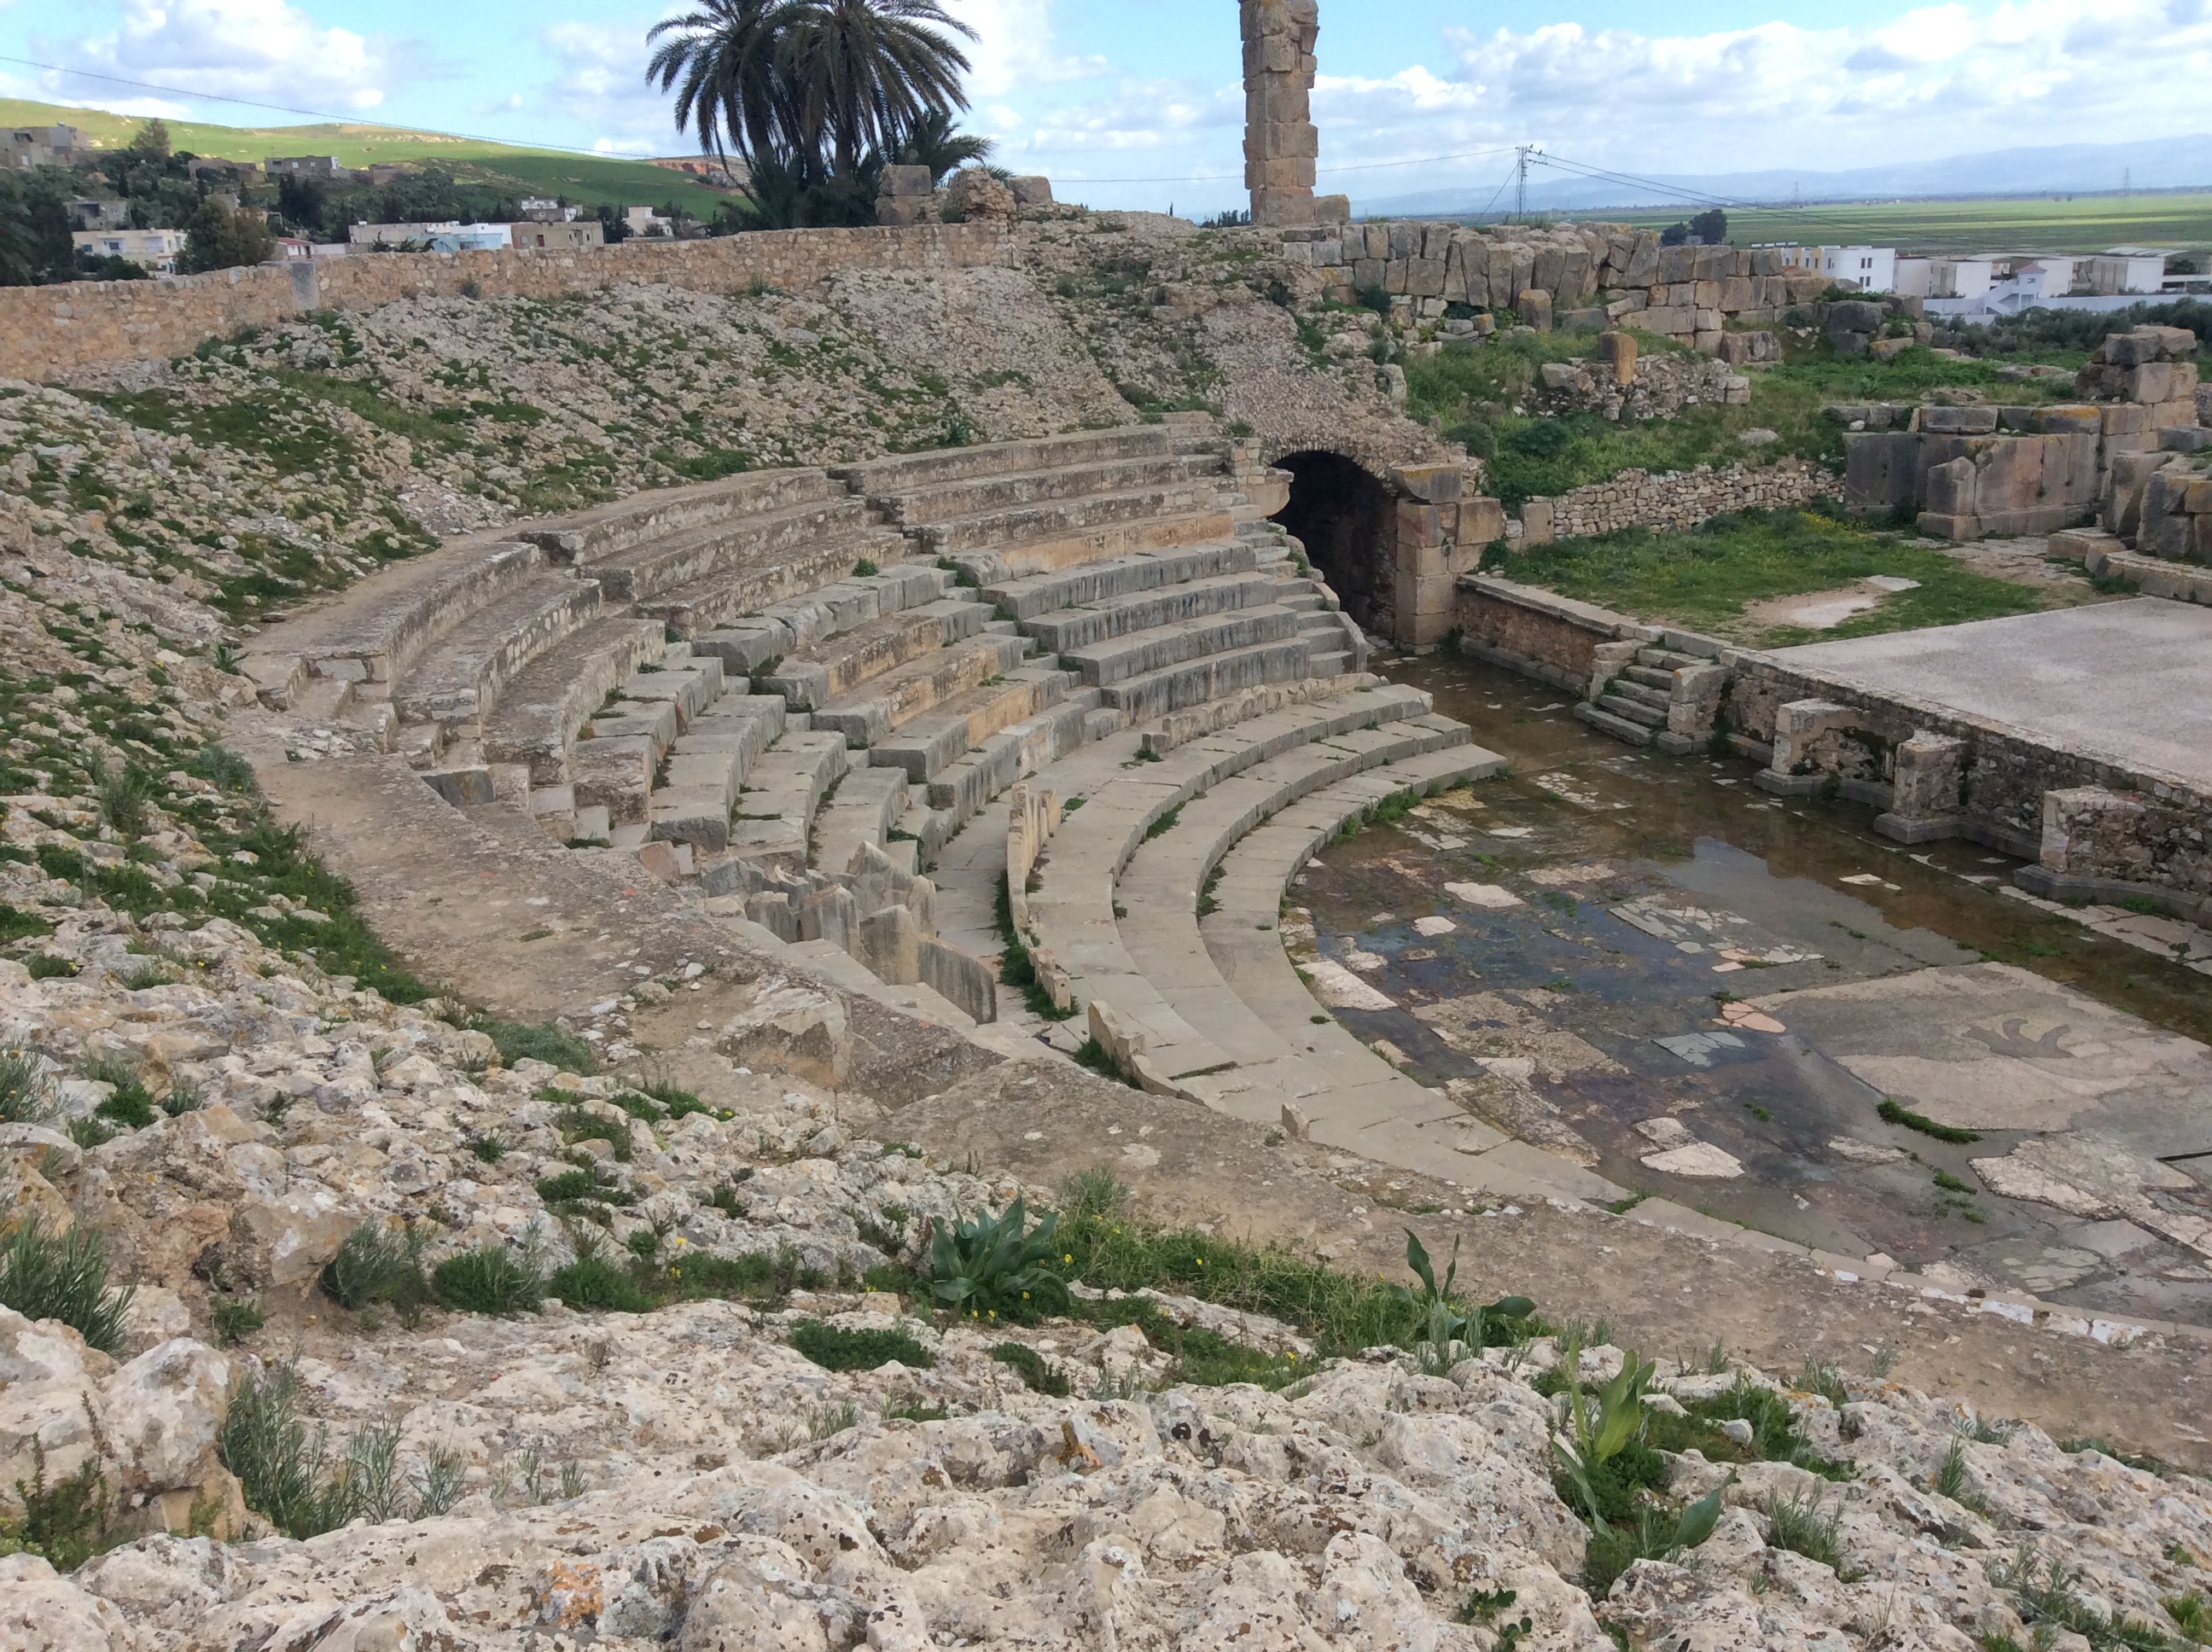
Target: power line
{"points": [[287, 109], [1325, 172]]}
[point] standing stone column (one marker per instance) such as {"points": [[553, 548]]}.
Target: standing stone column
{"points": [[1281, 143]]}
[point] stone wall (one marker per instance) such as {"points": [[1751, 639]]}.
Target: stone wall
{"points": [[1675, 501], [1970, 472], [2092, 829], [1939, 774], [1538, 632], [46, 330], [1579, 275]]}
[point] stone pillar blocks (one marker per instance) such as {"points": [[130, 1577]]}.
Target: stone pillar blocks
{"points": [[1281, 143]]}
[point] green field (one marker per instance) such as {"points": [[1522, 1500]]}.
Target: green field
{"points": [[2176, 221], [589, 180]]}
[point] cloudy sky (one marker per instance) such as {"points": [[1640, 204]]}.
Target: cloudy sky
{"points": [[1136, 102]]}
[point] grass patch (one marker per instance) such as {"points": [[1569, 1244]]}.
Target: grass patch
{"points": [[46, 1276], [64, 1522], [527, 1041], [1893, 1113], [835, 1349], [1798, 1524], [1037, 1377], [25, 1096], [1164, 824], [490, 1280], [1017, 968], [376, 1267], [1705, 579]]}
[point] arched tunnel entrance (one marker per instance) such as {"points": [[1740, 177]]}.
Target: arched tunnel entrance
{"points": [[1345, 515]]}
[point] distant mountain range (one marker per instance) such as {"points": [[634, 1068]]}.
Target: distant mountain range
{"points": [[2156, 163]]}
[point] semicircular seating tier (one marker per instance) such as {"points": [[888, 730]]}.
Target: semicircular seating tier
{"points": [[808, 692]]}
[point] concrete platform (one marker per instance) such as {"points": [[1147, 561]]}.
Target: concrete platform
{"points": [[2130, 681]]}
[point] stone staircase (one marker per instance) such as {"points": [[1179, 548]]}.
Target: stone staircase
{"points": [[1635, 704]]}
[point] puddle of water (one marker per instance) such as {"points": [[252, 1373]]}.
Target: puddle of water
{"points": [[1569, 953]]}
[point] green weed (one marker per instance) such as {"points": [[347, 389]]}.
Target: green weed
{"points": [[835, 1349], [63, 1276]]}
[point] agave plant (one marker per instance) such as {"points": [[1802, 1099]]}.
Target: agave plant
{"points": [[996, 1265], [1604, 1422], [1448, 1334]]}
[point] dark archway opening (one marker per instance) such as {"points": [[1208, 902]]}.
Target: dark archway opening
{"points": [[1343, 514]]}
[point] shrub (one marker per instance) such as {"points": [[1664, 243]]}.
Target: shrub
{"points": [[286, 1472], [375, 1265], [1029, 1365], [594, 1283], [490, 1280], [523, 1041], [997, 1266], [64, 1523], [48, 1277], [124, 794], [835, 1349], [25, 1096], [235, 1316], [1795, 1523]]}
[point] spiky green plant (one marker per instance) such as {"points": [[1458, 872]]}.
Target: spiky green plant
{"points": [[996, 1267]]}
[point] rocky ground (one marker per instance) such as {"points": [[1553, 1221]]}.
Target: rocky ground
{"points": [[208, 1057]]}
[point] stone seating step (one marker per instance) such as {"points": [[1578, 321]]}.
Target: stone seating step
{"points": [[927, 744], [609, 529], [1068, 630], [1644, 694], [840, 665], [707, 766], [914, 472], [650, 567], [861, 809], [1031, 746], [1634, 711], [1023, 528], [1350, 1097], [656, 719], [538, 718], [460, 678], [898, 697], [755, 641], [1668, 660], [1155, 694], [729, 594], [777, 806], [383, 625], [1620, 727], [1338, 664], [1092, 583], [974, 496], [1650, 678], [686, 684], [1095, 948], [615, 773], [1139, 653]]}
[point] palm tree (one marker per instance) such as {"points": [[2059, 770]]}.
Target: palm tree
{"points": [[860, 75], [726, 55], [933, 143]]}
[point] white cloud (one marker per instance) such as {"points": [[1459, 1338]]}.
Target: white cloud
{"points": [[1946, 79], [1013, 51], [265, 50], [598, 85]]}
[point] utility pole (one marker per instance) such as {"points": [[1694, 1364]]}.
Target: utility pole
{"points": [[2127, 182], [1521, 184]]}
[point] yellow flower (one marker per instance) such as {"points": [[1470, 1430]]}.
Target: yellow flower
{"points": [[1025, 1296], [1068, 1257], [1201, 1262]]}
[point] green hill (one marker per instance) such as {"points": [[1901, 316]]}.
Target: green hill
{"points": [[590, 180]]}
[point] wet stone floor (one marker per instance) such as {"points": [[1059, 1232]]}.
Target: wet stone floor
{"points": [[1710, 995]]}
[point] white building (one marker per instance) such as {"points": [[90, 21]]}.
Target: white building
{"points": [[1944, 277], [644, 221], [2129, 269], [1870, 269], [154, 249]]}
